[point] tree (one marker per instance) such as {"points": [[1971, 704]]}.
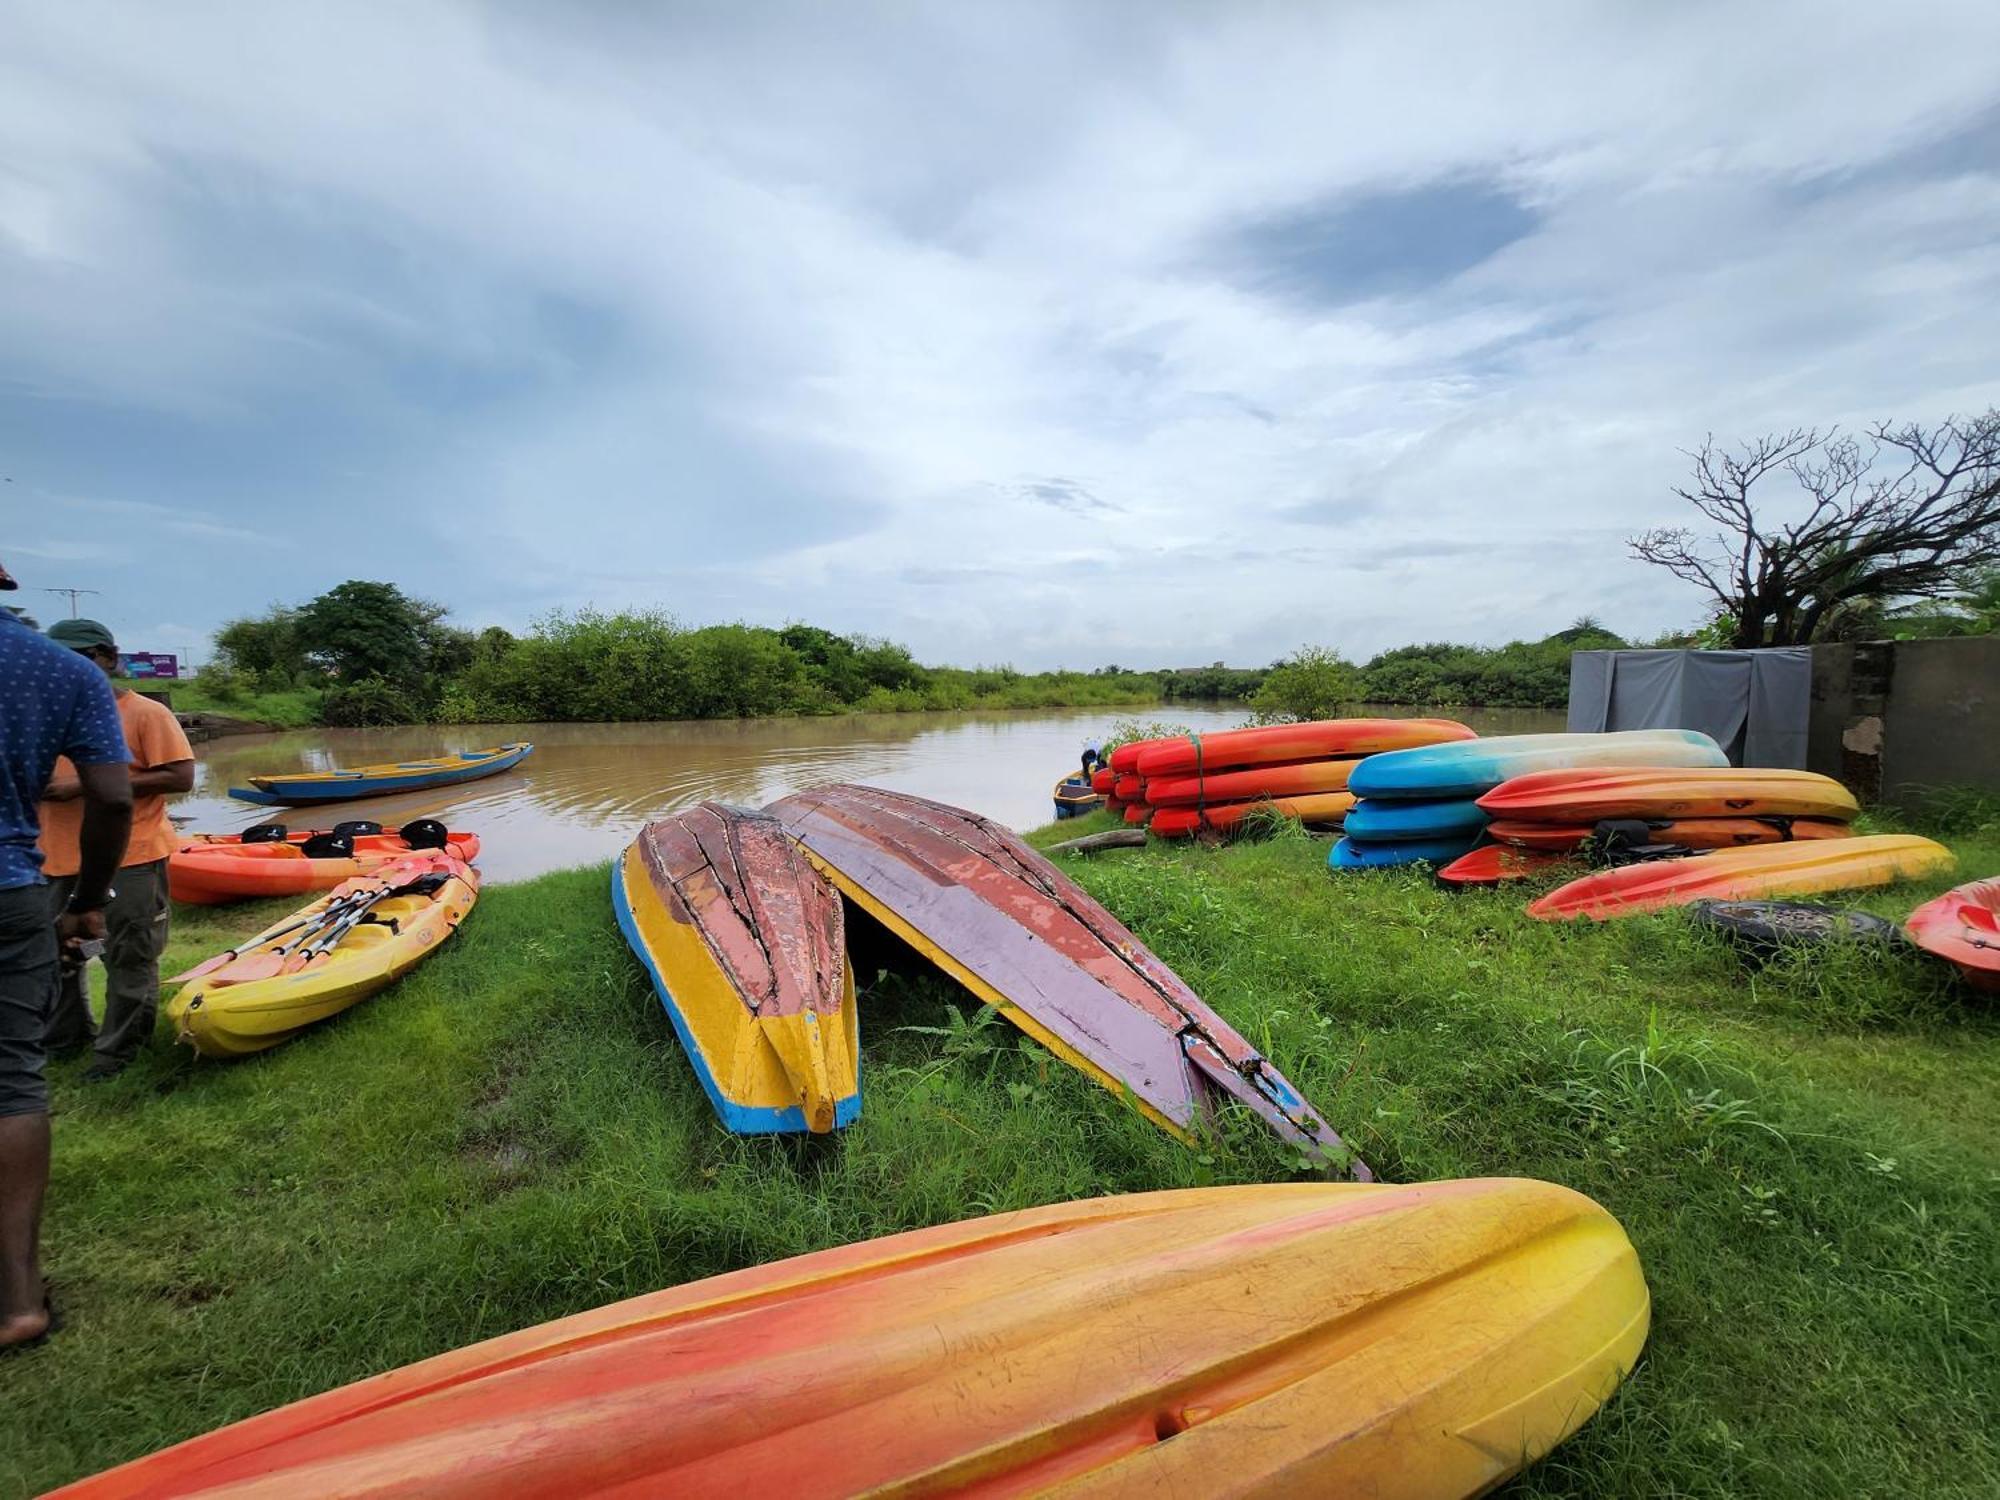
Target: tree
{"points": [[1919, 526], [266, 646], [362, 629], [1312, 683]]}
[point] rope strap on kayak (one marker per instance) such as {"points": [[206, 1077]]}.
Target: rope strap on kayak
{"points": [[1200, 785]]}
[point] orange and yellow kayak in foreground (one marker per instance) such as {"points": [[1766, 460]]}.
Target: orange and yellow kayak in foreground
{"points": [[1963, 925], [1299, 1340], [1585, 794], [1756, 873]]}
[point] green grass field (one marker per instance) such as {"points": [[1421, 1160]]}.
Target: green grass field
{"points": [[1808, 1158]]}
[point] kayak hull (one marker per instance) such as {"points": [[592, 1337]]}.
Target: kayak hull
{"points": [[1757, 873], [1380, 822], [1497, 864], [220, 1018], [1349, 855], [1227, 817], [1688, 833], [311, 787], [1307, 1339], [1301, 779], [211, 870], [1963, 927], [1586, 794], [1277, 744], [1473, 769]]}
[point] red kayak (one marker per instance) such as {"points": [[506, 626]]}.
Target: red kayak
{"points": [[1275, 744], [1584, 794], [1963, 925], [1495, 864], [1136, 813], [1222, 817], [1102, 780], [1129, 789], [212, 868], [1689, 833], [1300, 779]]}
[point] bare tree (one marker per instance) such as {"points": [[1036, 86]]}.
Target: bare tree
{"points": [[1910, 513]]}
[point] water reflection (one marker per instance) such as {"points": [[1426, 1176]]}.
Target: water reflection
{"points": [[588, 787]]}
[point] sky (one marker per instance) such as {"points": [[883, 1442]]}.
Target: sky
{"points": [[1062, 334]]}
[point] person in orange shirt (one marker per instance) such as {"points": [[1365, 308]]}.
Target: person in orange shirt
{"points": [[135, 918]]}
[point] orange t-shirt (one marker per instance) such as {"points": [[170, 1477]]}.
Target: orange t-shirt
{"points": [[154, 737]]}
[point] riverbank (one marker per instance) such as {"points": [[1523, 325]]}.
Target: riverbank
{"points": [[1805, 1159]]}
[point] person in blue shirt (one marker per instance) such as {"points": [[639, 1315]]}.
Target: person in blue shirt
{"points": [[52, 702]]}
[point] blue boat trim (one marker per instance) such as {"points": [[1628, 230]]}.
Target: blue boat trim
{"points": [[742, 1119], [348, 786], [1347, 855]]}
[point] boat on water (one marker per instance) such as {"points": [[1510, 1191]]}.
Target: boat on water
{"points": [[1076, 795], [306, 787], [745, 945], [976, 901], [1312, 1339]]}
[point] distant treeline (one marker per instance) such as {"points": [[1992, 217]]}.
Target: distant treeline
{"points": [[367, 653]]}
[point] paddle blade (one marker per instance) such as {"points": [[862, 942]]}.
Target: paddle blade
{"points": [[250, 967], [206, 966]]}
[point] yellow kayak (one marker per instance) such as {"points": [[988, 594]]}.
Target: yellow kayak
{"points": [[358, 938]]}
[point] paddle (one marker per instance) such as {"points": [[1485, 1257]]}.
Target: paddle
{"points": [[335, 920], [209, 966], [304, 954]]}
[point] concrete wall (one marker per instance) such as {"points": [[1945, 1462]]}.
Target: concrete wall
{"points": [[1892, 718]]}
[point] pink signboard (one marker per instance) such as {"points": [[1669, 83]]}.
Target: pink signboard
{"points": [[148, 664]]}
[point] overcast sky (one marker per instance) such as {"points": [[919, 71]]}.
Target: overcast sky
{"points": [[1063, 334]]}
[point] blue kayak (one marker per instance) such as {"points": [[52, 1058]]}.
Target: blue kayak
{"points": [[308, 787], [1380, 822], [1472, 768], [1348, 855]]}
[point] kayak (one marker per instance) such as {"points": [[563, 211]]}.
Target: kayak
{"points": [[1275, 744], [212, 867], [1752, 874], [221, 1014], [746, 944], [1074, 797], [1125, 758], [1495, 864], [1689, 833], [1584, 794], [379, 781], [1138, 813], [996, 916], [1129, 789], [1311, 1339], [1474, 768], [1103, 781], [1348, 855], [1222, 817], [1380, 822], [1299, 779], [1963, 925]]}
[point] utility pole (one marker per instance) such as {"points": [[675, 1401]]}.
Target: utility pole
{"points": [[72, 596]]}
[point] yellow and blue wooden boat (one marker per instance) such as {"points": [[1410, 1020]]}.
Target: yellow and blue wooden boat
{"points": [[745, 944], [1075, 796], [380, 781]]}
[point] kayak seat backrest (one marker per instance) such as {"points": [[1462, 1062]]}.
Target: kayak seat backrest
{"points": [[357, 826], [334, 845], [264, 833], [426, 833]]}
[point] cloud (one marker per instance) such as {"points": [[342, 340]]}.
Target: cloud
{"points": [[1064, 494]]}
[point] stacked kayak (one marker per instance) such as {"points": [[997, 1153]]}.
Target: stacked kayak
{"points": [[307, 787], [271, 860], [1312, 1339], [1963, 927], [1422, 804], [356, 940], [1753, 873], [1222, 782]]}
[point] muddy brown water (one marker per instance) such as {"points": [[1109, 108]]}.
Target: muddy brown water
{"points": [[588, 788]]}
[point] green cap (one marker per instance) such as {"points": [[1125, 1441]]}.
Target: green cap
{"points": [[81, 635]]}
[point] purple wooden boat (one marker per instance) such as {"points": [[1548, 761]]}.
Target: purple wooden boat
{"points": [[1017, 932]]}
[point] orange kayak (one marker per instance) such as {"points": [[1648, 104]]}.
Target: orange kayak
{"points": [[1128, 788], [1584, 794], [1963, 925], [1756, 873], [1495, 864], [1136, 813], [1299, 779], [212, 868], [1275, 744], [1689, 833], [1180, 822], [1308, 1339]]}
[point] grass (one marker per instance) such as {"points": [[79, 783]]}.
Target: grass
{"points": [[1806, 1156], [296, 708]]}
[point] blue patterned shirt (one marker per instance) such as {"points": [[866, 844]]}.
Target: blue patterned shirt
{"points": [[52, 702]]}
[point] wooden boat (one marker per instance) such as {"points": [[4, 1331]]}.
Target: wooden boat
{"points": [[1759, 872], [1310, 1339], [1024, 937], [380, 781], [211, 868], [1587, 794], [744, 942], [221, 1015], [1963, 926], [1075, 795]]}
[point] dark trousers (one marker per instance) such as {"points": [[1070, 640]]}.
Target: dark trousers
{"points": [[27, 989], [135, 935]]}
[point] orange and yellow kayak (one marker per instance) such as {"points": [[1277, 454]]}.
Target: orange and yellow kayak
{"points": [[1763, 871], [1689, 833], [1496, 864], [1275, 744], [1310, 1339], [1180, 822], [1298, 779], [1585, 794], [213, 868], [1963, 926]]}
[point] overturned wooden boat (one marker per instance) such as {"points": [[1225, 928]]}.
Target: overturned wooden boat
{"points": [[744, 942], [1022, 936], [1313, 1339]]}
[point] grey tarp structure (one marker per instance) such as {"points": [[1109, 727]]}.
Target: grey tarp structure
{"points": [[1752, 703]]}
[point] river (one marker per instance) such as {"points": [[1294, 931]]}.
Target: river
{"points": [[588, 787]]}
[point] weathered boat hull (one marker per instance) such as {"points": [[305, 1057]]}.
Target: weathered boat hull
{"points": [[1310, 1339], [1016, 931]]}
